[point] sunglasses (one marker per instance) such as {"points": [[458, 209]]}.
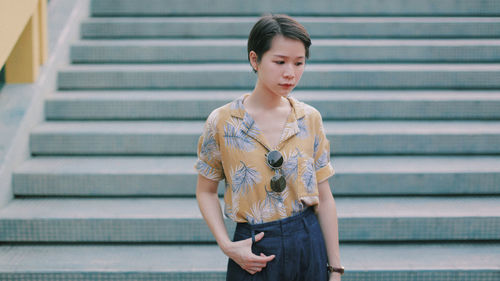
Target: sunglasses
{"points": [[274, 160]]}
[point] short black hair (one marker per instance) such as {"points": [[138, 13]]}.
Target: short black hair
{"points": [[268, 26]]}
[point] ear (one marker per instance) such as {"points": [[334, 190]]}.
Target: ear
{"points": [[253, 60]]}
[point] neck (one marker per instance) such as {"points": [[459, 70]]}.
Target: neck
{"points": [[264, 99]]}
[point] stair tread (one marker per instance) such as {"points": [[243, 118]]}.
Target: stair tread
{"points": [[372, 127], [301, 19], [187, 208], [313, 67], [303, 95], [184, 165], [199, 258], [315, 42]]}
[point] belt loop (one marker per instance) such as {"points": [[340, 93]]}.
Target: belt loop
{"points": [[252, 231]]}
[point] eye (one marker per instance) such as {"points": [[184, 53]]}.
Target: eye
{"points": [[279, 62], [299, 63]]}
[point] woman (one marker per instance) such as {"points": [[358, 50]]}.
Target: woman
{"points": [[272, 152]]}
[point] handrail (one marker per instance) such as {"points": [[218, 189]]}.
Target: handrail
{"points": [[23, 39]]}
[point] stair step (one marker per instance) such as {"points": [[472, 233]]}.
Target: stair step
{"points": [[346, 137], [317, 76], [175, 176], [317, 27], [333, 105], [104, 262], [179, 219], [294, 7], [339, 50], [432, 261]]}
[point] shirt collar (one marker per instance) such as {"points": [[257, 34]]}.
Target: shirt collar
{"points": [[291, 126], [238, 110]]}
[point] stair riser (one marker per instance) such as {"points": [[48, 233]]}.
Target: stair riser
{"points": [[105, 275], [94, 185], [354, 275], [185, 144], [355, 53], [76, 80], [330, 110], [241, 28], [295, 7], [195, 230]]}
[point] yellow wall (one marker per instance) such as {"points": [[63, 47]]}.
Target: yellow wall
{"points": [[23, 38]]}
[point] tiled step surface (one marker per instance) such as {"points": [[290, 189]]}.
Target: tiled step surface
{"points": [[175, 176], [317, 76], [333, 105], [294, 7], [346, 137], [317, 27], [322, 50], [397, 261], [179, 219]]}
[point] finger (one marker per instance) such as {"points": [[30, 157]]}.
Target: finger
{"points": [[251, 271], [255, 269], [263, 258], [259, 236], [257, 264]]}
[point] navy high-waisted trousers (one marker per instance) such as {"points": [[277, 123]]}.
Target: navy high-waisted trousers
{"points": [[298, 244]]}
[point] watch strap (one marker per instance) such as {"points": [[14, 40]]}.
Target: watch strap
{"points": [[335, 269]]}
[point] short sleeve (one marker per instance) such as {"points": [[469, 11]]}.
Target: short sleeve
{"points": [[323, 167], [209, 162]]}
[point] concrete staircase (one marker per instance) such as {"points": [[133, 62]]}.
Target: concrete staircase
{"points": [[410, 96]]}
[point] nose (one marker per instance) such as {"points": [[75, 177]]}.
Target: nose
{"points": [[288, 72]]}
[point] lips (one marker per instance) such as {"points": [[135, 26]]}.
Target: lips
{"points": [[286, 85]]}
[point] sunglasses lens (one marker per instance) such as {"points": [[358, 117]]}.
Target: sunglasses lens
{"points": [[278, 183], [274, 159]]}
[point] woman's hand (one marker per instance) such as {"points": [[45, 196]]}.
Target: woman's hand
{"points": [[334, 276], [241, 253]]}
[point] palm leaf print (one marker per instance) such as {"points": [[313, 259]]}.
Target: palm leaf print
{"points": [[244, 178], [237, 104], [322, 160], [277, 201], [309, 176], [209, 148], [291, 165], [289, 130], [259, 213], [237, 138], [316, 145], [302, 128], [297, 207], [249, 126], [207, 170], [230, 210]]}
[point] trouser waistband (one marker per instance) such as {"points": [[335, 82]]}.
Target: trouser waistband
{"points": [[282, 227]]}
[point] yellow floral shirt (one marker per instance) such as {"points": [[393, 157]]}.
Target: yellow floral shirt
{"points": [[233, 148]]}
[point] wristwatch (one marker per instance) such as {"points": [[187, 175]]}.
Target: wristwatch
{"points": [[335, 269]]}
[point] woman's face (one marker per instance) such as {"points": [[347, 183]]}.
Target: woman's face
{"points": [[281, 67]]}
